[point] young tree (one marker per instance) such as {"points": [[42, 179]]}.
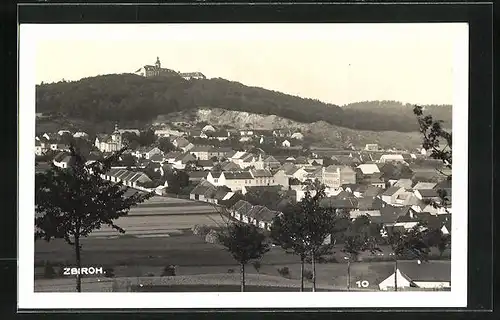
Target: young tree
{"points": [[288, 230], [71, 203], [245, 242], [358, 238], [319, 223], [410, 244]]}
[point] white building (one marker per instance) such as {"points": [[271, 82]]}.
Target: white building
{"points": [[109, 143]]}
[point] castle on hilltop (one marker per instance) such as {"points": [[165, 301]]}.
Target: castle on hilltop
{"points": [[156, 70]]}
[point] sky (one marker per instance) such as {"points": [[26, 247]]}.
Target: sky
{"points": [[334, 63]]}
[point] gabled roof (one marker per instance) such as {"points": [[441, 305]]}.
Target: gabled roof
{"points": [[216, 174], [237, 175], [228, 166], [261, 173], [334, 202], [203, 187], [390, 191], [428, 193], [173, 154], [205, 163], [424, 185], [200, 149], [156, 157], [198, 174], [242, 207], [403, 183], [368, 168], [270, 159], [372, 191]]}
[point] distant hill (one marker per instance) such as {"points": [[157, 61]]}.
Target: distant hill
{"points": [[389, 109], [129, 97]]}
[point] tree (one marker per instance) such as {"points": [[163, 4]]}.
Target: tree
{"points": [[71, 203], [439, 142], [245, 242], [358, 238], [266, 197], [177, 179], [147, 138], [165, 145], [128, 160], [288, 230], [410, 244]]}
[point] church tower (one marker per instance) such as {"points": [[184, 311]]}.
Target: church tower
{"points": [[158, 66]]}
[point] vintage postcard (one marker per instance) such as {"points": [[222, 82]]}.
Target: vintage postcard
{"points": [[262, 165]]}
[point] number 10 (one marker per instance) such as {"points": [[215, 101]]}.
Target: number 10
{"points": [[362, 284]]}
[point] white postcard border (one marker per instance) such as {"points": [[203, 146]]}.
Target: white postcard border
{"points": [[28, 299]]}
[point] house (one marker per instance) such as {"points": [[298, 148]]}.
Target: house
{"points": [[335, 176], [80, 134], [239, 209], [371, 147], [403, 183], [427, 194], [214, 177], [157, 158], [230, 166], [281, 179], [424, 185], [432, 275], [368, 206], [375, 180], [135, 131], [250, 160], [205, 164], [109, 143], [235, 180], [393, 158], [192, 76], [270, 162], [181, 161], [219, 153], [201, 152], [182, 143], [129, 178], [63, 160], [208, 128], [286, 144], [389, 195], [372, 191], [198, 192], [51, 136], [297, 135], [262, 177], [171, 156], [147, 152], [221, 135], [298, 173], [166, 132], [281, 133], [40, 148]]}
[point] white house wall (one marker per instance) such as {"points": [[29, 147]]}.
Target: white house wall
{"points": [[388, 283]]}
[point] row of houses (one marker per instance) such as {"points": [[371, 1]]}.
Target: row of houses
{"points": [[259, 216]]}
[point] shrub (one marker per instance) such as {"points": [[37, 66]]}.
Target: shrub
{"points": [[284, 272], [48, 271], [201, 230], [230, 270], [256, 265], [308, 274], [109, 272], [168, 271]]}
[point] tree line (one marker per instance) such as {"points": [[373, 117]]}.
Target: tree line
{"points": [[129, 97]]}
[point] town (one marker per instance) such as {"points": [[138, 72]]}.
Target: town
{"points": [[250, 175]]}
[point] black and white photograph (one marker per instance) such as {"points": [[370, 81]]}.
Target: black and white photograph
{"points": [[299, 165]]}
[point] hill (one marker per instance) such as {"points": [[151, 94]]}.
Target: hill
{"points": [[129, 97], [396, 109]]}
